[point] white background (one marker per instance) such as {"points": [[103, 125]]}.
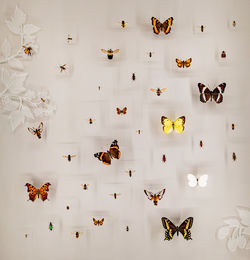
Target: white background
{"points": [[24, 158]]}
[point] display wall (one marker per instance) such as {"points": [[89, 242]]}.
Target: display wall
{"points": [[93, 86]]}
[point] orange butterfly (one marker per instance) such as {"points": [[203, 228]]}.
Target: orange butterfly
{"points": [[34, 192], [183, 63], [98, 222], [121, 111], [165, 27]]}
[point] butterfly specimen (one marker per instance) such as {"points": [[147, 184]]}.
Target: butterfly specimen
{"points": [[216, 94], [85, 186], [37, 131], [77, 234], [130, 172], [201, 143], [98, 222], [27, 50], [121, 111], [69, 156], [233, 127], [34, 192], [234, 23], [223, 54], [123, 24], [51, 226], [202, 28], [234, 156], [133, 76], [194, 181], [110, 53], [165, 27], [169, 126], [113, 152], [171, 229], [91, 121], [62, 67], [183, 63], [155, 197], [115, 195], [139, 131], [158, 90]]}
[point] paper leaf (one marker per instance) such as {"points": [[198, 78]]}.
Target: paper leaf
{"points": [[223, 232], [244, 214], [233, 222], [15, 28], [248, 245], [16, 83], [30, 29], [19, 17], [5, 77], [16, 119], [232, 244], [246, 231], [6, 48], [27, 112], [16, 64], [10, 105], [241, 242]]}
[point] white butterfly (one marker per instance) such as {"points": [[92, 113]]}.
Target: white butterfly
{"points": [[201, 181]]}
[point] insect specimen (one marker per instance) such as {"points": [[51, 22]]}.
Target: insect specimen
{"points": [[51, 226], [201, 143], [69, 39], [85, 186], [194, 181], [223, 54], [133, 76], [158, 90], [91, 121], [164, 158], [165, 27], [234, 156], [202, 28], [121, 111], [233, 126], [98, 222], [69, 156], [37, 131], [150, 54], [27, 50], [123, 23], [77, 234], [110, 53], [155, 197], [38, 193], [130, 172], [62, 67], [139, 131], [216, 94], [183, 63], [169, 126], [67, 207], [127, 228]]}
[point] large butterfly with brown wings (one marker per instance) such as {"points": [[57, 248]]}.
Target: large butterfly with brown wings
{"points": [[37, 131], [155, 197], [165, 27], [216, 94], [171, 229], [121, 111], [36, 193], [113, 152]]}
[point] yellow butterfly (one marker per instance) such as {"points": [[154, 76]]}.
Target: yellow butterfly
{"points": [[169, 126]]}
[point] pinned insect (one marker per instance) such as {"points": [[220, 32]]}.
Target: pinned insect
{"points": [[223, 54], [202, 28], [234, 156], [155, 197], [99, 88], [233, 127], [37, 131], [62, 67], [164, 158], [127, 228], [77, 234], [139, 131], [121, 111], [130, 172], [69, 39], [91, 121], [123, 23], [110, 53], [234, 23], [150, 54], [69, 156], [85, 186], [158, 90], [67, 207], [25, 235], [201, 143], [51, 226], [98, 222], [183, 63], [27, 50], [133, 76], [41, 193], [115, 195]]}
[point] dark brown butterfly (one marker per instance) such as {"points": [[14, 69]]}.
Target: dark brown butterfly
{"points": [[123, 23], [98, 222], [37, 131], [38, 193], [216, 94], [155, 197], [165, 27], [171, 229], [113, 152], [121, 111]]}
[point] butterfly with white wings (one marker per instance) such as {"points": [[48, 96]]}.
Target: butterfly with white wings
{"points": [[193, 181]]}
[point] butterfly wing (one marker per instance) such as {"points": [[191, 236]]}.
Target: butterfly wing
{"points": [[43, 191], [184, 228], [179, 63], [156, 25], [114, 150], [124, 111], [32, 191], [192, 180], [153, 89], [104, 157], [163, 89], [160, 194], [187, 63], [32, 130], [217, 93], [118, 110], [205, 93], [117, 50], [170, 228], [95, 221], [104, 51], [179, 124], [149, 194], [39, 130], [167, 125], [101, 221], [166, 26], [203, 180]]}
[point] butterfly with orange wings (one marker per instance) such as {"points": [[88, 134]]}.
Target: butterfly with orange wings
{"points": [[183, 63], [98, 222], [121, 111], [216, 94], [155, 197], [37, 131], [113, 152], [38, 193], [165, 27]]}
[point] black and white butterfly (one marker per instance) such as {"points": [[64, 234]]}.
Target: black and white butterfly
{"points": [[216, 94]]}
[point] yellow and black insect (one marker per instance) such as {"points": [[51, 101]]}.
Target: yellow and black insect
{"points": [[123, 23], [91, 120], [69, 156], [62, 67], [234, 23], [69, 38], [234, 156], [110, 53], [223, 54], [133, 76], [27, 50], [115, 195], [130, 172], [233, 127], [158, 90], [202, 28], [139, 131], [85, 186], [77, 234]]}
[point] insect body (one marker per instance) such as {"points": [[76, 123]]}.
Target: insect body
{"points": [[69, 38], [133, 76], [25, 235], [123, 23], [139, 131], [130, 172], [234, 23], [91, 121], [69, 156], [158, 90], [27, 50], [164, 158], [183, 63], [37, 131], [110, 53], [85, 186], [234, 156], [77, 234], [155, 197], [201, 143], [202, 28], [62, 67], [115, 195], [67, 207], [51, 226], [233, 126], [127, 228], [223, 54], [150, 54]]}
